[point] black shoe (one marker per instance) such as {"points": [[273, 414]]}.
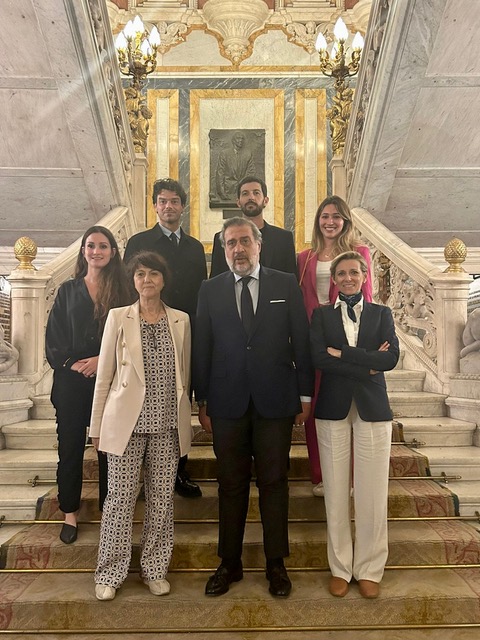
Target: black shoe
{"points": [[185, 487], [68, 534], [219, 583], [280, 584]]}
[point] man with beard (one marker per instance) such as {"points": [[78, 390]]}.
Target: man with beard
{"points": [[253, 380], [278, 250]]}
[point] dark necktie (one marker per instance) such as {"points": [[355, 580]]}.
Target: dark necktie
{"points": [[351, 301], [246, 304], [174, 239]]}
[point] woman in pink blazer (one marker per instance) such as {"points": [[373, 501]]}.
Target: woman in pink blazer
{"points": [[333, 233]]}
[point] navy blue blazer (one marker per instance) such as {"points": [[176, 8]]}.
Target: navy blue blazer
{"points": [[348, 378], [272, 365]]}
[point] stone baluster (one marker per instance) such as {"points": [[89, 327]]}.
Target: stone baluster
{"points": [[28, 310]]}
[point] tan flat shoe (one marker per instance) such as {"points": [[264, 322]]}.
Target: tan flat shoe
{"points": [[368, 588], [338, 587]]}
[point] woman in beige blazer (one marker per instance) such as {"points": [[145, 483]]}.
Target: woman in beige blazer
{"points": [[141, 417]]}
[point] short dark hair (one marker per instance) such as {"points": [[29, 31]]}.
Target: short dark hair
{"points": [[151, 260], [248, 179], [169, 184], [240, 222]]}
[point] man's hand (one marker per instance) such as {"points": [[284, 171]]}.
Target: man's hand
{"points": [[301, 417], [204, 419], [336, 353], [95, 442]]}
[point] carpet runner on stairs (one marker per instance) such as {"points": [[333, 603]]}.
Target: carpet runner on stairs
{"points": [[424, 583]]}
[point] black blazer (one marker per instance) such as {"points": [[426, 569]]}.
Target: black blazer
{"points": [[278, 251], [72, 331], [272, 365], [348, 377], [186, 261]]}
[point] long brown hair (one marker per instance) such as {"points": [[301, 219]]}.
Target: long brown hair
{"points": [[348, 239], [114, 289]]}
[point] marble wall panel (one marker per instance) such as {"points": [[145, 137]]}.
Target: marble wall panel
{"points": [[311, 161], [33, 130], [39, 204], [457, 46], [21, 32], [443, 131], [429, 209]]}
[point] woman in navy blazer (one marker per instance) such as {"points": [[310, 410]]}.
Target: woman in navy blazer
{"points": [[353, 342]]}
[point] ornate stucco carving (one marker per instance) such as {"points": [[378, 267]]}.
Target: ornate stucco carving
{"points": [[236, 22]]}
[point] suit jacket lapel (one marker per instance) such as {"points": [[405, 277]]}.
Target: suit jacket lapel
{"points": [[133, 339], [177, 329], [263, 300], [364, 322]]}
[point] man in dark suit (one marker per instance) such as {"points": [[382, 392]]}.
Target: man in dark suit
{"points": [[185, 257], [253, 379], [278, 249]]}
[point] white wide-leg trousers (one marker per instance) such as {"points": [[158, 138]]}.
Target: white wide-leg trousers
{"points": [[369, 443]]}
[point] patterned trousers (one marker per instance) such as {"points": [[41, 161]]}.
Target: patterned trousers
{"points": [[158, 454]]}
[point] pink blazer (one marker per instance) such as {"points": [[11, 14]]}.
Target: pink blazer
{"points": [[307, 272]]}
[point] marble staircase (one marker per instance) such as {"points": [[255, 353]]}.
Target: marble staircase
{"points": [[431, 588]]}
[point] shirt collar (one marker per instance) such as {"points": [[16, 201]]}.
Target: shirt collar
{"points": [[255, 274], [168, 232], [359, 305]]}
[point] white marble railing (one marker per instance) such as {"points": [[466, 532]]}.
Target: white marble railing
{"points": [[32, 295], [429, 306]]}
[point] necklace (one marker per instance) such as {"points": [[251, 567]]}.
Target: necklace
{"points": [[155, 318]]}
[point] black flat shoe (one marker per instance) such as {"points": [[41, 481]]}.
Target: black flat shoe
{"points": [[185, 487], [68, 534], [221, 580], [280, 584]]}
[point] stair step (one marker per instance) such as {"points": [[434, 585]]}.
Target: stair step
{"points": [[14, 410], [468, 494], [416, 404], [462, 461], [42, 408], [407, 498], [438, 431], [400, 380], [61, 602], [18, 502], [419, 543], [31, 434], [19, 466]]}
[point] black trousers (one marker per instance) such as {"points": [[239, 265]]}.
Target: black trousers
{"points": [[72, 397], [236, 443]]}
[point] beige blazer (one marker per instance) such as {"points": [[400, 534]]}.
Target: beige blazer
{"points": [[120, 384]]}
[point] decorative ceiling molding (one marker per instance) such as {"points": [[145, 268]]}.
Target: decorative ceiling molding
{"points": [[237, 23]]}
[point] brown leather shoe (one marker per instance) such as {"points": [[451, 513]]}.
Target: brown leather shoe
{"points": [[338, 587], [368, 588]]}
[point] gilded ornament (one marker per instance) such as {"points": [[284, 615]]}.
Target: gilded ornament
{"points": [[25, 251], [455, 253]]}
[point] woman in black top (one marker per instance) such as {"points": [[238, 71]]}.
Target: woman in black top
{"points": [[74, 332]]}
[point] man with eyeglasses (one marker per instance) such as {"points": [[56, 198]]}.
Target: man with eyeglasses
{"points": [[185, 257]]}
